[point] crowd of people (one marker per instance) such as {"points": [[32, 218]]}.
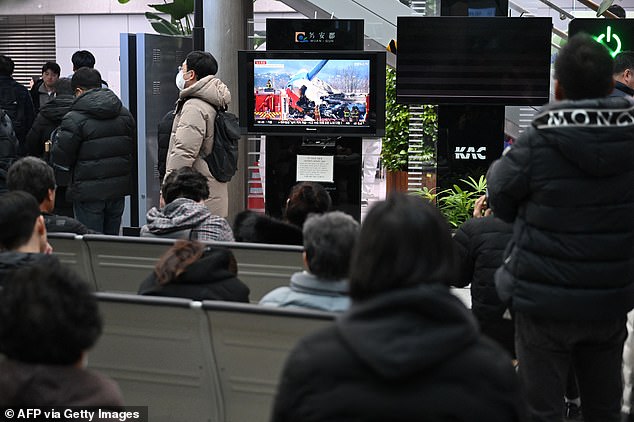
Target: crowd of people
{"points": [[549, 257]]}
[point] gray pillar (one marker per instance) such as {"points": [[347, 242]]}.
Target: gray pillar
{"points": [[226, 29]]}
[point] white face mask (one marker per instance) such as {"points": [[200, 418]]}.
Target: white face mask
{"points": [[180, 81]]}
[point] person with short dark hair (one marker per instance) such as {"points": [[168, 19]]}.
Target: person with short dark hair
{"points": [[22, 232], [82, 58], [305, 198], [48, 322], [95, 143], [196, 271], [32, 175], [16, 101], [407, 349], [328, 242], [184, 214], [43, 90], [568, 272], [192, 137], [617, 10], [623, 74]]}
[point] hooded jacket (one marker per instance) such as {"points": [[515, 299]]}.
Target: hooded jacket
{"points": [[186, 214], [49, 118], [11, 261], [95, 141], [192, 135], [24, 384], [567, 185], [407, 355], [309, 291], [206, 279]]}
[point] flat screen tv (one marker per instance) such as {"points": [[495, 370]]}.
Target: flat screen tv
{"points": [[320, 93], [473, 60]]}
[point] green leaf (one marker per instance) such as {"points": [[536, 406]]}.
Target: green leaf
{"points": [[604, 6], [177, 10], [123, 1], [160, 25]]}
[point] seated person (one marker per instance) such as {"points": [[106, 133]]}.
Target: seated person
{"points": [[328, 242], [34, 176], [305, 198], [48, 322], [195, 271], [184, 214], [22, 233], [407, 349]]}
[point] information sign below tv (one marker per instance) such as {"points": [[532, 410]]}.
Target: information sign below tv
{"points": [[330, 93]]}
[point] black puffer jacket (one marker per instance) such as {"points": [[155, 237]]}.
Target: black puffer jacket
{"points": [[206, 279], [568, 185], [480, 243], [49, 117], [96, 140], [8, 148], [409, 355]]}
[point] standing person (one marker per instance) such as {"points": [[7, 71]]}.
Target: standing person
{"points": [[480, 243], [407, 349], [84, 58], [15, 101], [8, 148], [95, 142], [192, 134], [568, 272], [623, 75], [43, 90]]}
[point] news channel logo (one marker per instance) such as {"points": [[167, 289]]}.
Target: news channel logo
{"points": [[301, 37]]}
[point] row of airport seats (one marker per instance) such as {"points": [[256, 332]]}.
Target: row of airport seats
{"points": [[119, 263], [188, 360]]}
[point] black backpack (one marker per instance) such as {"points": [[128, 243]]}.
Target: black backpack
{"points": [[223, 160], [9, 103]]}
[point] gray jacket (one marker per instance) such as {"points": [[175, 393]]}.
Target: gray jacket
{"points": [[308, 291]]}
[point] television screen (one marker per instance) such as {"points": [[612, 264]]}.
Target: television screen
{"points": [[473, 60], [314, 34], [300, 93]]}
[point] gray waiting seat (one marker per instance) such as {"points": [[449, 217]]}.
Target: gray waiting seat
{"points": [[159, 351], [250, 345], [73, 252]]}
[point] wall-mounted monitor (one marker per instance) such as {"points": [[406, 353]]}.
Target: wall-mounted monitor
{"points": [[473, 60], [321, 93]]}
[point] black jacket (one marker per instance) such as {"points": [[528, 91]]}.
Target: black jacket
{"points": [[408, 355], [8, 148], [567, 183], [480, 243], [96, 141], [249, 226], [49, 118], [163, 142], [11, 261], [206, 279], [62, 224], [622, 90], [16, 101]]}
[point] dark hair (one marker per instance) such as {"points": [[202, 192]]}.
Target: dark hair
{"points": [[18, 212], [184, 253], [404, 241], [63, 87], [6, 65], [328, 242], [86, 78], [203, 63], [306, 198], [584, 68], [82, 58], [51, 66], [47, 315], [617, 10], [185, 183], [623, 61], [32, 175]]}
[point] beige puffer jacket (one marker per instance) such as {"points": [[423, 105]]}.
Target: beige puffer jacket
{"points": [[193, 135]]}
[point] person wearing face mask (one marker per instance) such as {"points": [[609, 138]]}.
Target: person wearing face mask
{"points": [[95, 144], [192, 133]]}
